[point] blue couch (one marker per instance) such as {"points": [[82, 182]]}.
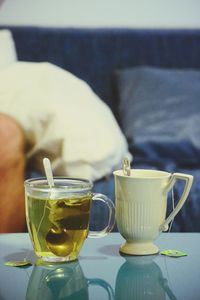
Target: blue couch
{"points": [[95, 55]]}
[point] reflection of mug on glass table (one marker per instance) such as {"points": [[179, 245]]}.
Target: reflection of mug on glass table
{"points": [[58, 217], [62, 282], [141, 278], [141, 203]]}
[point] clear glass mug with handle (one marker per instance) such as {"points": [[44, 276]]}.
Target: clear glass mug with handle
{"points": [[58, 217]]}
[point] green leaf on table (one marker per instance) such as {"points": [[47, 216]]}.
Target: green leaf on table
{"points": [[173, 253]]}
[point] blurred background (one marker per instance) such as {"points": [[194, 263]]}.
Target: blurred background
{"points": [[104, 13], [44, 30]]}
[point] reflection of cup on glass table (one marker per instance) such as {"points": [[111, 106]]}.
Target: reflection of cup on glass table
{"points": [[58, 217], [62, 281], [141, 204], [142, 279]]}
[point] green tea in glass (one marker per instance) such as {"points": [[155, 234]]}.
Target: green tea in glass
{"points": [[58, 217]]}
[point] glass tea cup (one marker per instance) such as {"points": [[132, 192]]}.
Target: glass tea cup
{"points": [[58, 217]]}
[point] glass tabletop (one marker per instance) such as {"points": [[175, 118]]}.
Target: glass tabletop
{"points": [[101, 272]]}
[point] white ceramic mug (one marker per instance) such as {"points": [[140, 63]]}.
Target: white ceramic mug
{"points": [[141, 205]]}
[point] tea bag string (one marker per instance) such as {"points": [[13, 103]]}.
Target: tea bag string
{"points": [[170, 227], [126, 166], [173, 206], [49, 176]]}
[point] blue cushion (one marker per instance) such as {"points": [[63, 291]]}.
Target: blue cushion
{"points": [[94, 54], [159, 112]]}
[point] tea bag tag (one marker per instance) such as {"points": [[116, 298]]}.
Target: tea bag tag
{"points": [[18, 263], [126, 166], [173, 253]]}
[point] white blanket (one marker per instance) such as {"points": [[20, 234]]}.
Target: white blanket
{"points": [[62, 119]]}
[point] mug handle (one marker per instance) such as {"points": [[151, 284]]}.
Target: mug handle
{"points": [[188, 183], [106, 286], [111, 218]]}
